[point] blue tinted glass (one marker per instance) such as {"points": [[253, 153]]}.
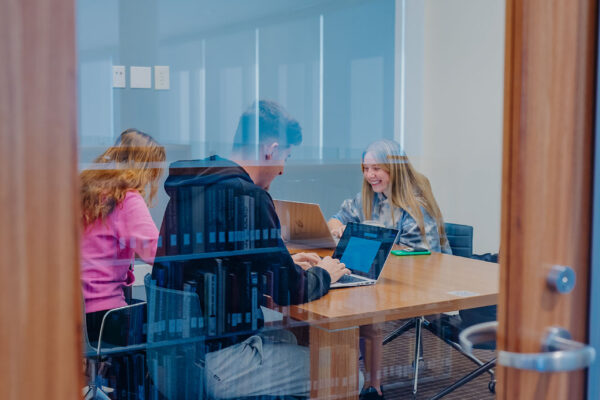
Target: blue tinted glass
{"points": [[360, 253], [345, 74]]}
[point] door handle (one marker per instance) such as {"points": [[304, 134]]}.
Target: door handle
{"points": [[559, 352]]}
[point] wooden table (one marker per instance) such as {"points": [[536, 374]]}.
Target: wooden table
{"points": [[410, 286]]}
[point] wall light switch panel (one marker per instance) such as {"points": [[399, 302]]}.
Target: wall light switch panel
{"points": [[141, 77], [161, 77], [119, 76]]}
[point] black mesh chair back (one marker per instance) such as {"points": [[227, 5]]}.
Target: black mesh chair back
{"points": [[460, 238]]}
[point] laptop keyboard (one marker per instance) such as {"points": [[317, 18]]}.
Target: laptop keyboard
{"points": [[350, 279]]}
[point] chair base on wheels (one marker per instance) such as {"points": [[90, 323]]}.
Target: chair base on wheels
{"points": [[95, 390], [418, 324], [468, 378]]}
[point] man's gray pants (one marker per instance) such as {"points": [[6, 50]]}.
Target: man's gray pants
{"points": [[269, 363]]}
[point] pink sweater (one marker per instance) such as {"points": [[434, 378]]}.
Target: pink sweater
{"points": [[109, 247]]}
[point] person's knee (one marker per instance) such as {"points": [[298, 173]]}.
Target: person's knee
{"points": [[371, 331]]}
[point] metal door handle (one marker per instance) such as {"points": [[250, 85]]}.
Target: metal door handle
{"points": [[559, 352]]}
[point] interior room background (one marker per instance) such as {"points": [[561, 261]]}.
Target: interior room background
{"points": [[427, 73]]}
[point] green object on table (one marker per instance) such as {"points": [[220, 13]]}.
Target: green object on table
{"points": [[410, 252]]}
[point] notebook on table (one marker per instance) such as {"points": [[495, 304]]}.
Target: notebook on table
{"points": [[364, 249]]}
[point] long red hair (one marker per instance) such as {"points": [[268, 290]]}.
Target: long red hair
{"points": [[132, 164]]}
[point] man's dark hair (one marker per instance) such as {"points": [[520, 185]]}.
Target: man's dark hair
{"points": [[274, 123]]}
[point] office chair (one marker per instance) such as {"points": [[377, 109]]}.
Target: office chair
{"points": [[468, 318], [482, 367], [460, 238], [95, 389]]}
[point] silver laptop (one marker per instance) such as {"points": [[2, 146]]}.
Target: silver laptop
{"points": [[303, 225], [364, 249]]}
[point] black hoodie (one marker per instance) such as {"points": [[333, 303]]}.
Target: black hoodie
{"points": [[223, 182]]}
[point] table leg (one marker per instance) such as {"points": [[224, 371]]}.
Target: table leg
{"points": [[334, 363]]}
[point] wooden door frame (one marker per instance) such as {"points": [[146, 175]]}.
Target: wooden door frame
{"points": [[550, 72], [40, 291]]}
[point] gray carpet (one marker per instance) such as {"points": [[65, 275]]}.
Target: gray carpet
{"points": [[442, 366]]}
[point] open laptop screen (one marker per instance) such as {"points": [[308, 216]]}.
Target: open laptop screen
{"points": [[364, 248]]}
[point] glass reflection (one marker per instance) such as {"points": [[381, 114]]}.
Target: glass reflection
{"points": [[314, 102]]}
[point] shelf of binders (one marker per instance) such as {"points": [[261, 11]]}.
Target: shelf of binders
{"points": [[216, 254]]}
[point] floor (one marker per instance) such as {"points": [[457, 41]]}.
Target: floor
{"points": [[442, 366]]}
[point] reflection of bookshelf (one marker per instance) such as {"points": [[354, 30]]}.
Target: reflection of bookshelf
{"points": [[211, 218], [216, 254], [229, 292], [176, 360]]}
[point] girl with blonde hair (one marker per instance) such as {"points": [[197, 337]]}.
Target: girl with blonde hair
{"points": [[393, 195], [396, 196], [115, 195]]}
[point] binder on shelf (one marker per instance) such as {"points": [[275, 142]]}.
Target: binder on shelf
{"points": [[189, 289], [245, 219], [246, 292], [175, 275], [154, 394], [211, 219], [229, 220], [184, 231], [157, 330], [197, 218], [210, 301], [236, 294], [221, 271], [251, 223], [254, 302], [283, 292], [126, 381], [171, 224], [199, 324], [221, 207], [139, 370], [268, 289], [231, 319]]}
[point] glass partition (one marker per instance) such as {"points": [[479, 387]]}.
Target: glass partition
{"points": [[196, 115]]}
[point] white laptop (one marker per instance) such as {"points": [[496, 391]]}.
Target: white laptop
{"points": [[364, 249], [303, 225]]}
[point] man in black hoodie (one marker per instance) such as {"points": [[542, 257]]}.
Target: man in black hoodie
{"points": [[230, 199]]}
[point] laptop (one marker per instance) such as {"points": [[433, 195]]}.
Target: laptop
{"points": [[303, 225], [364, 249]]}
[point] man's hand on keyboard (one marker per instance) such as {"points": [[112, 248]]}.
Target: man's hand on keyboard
{"points": [[335, 268], [306, 260]]}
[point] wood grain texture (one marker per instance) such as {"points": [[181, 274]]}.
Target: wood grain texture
{"points": [[546, 194], [409, 287], [334, 363], [40, 340]]}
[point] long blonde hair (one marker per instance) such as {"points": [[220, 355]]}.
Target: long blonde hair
{"points": [[133, 163], [410, 190]]}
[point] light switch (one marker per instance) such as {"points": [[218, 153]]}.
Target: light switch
{"points": [[141, 77], [119, 76], [161, 77]]}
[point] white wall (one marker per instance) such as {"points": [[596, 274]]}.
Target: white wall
{"points": [[460, 148], [454, 66]]}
